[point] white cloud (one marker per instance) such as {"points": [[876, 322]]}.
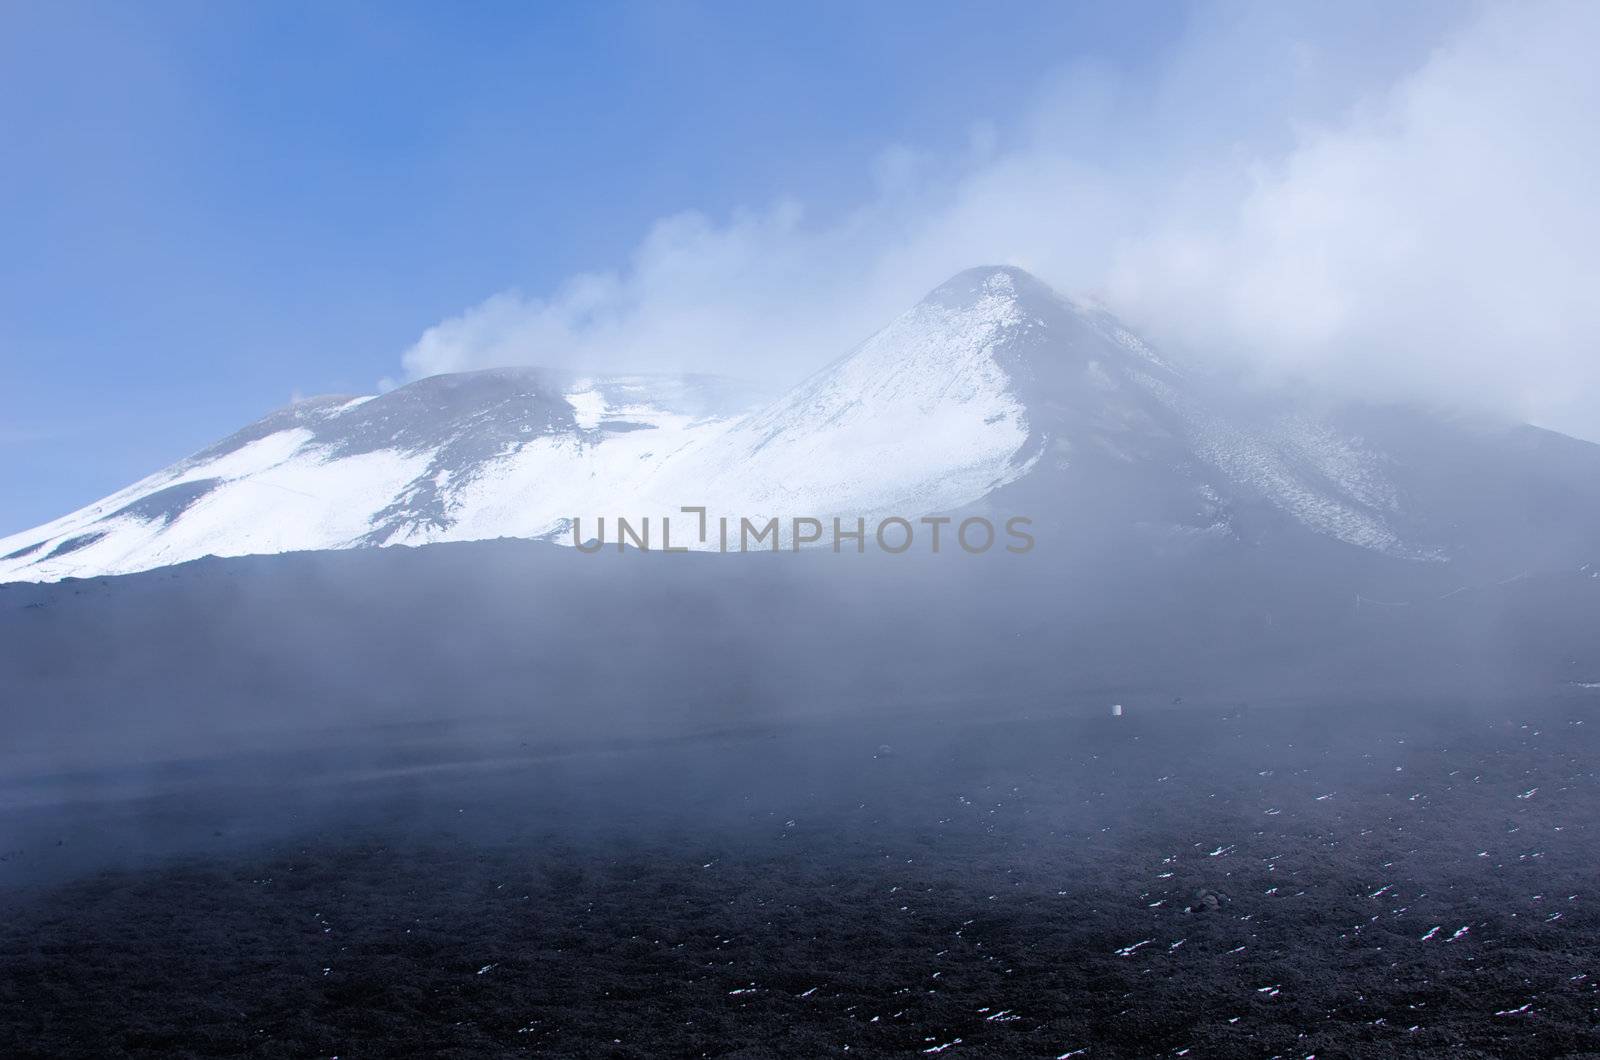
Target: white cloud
{"points": [[737, 298], [1442, 240], [1401, 212]]}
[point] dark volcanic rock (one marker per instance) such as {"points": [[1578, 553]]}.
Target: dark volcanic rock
{"points": [[1021, 886]]}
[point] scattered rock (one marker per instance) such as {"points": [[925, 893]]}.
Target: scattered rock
{"points": [[1207, 901]]}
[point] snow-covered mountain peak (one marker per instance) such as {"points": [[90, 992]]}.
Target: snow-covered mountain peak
{"points": [[970, 286], [993, 392]]}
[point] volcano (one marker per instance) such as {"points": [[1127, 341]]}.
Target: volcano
{"points": [[994, 394]]}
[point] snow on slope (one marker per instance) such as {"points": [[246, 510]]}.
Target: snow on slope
{"points": [[430, 461], [920, 418], [1326, 482], [992, 379]]}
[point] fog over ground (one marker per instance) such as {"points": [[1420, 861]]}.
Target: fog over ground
{"points": [[1407, 219]]}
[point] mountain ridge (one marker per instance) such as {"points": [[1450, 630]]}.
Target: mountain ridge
{"points": [[992, 393]]}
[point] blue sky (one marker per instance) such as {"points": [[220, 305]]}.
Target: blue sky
{"points": [[207, 208]]}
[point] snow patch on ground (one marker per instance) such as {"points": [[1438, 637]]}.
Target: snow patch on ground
{"points": [[588, 407]]}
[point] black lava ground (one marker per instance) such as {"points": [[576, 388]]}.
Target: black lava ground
{"points": [[1392, 880]]}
